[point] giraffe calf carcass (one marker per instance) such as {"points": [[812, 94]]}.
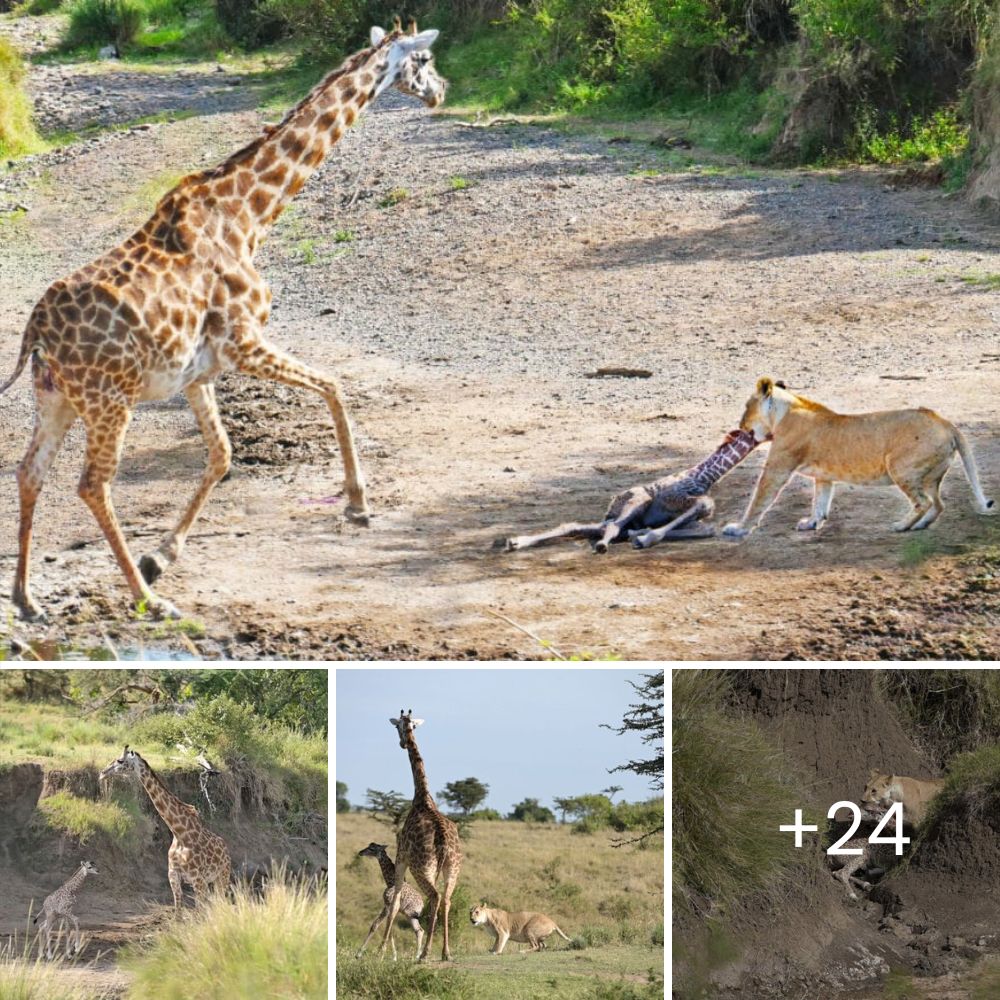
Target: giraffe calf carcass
{"points": [[661, 511]]}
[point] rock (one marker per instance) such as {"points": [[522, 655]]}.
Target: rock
{"points": [[108, 52]]}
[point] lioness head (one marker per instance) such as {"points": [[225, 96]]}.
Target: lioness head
{"points": [[765, 408], [876, 794], [478, 915]]}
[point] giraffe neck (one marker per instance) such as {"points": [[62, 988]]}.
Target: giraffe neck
{"points": [[255, 184], [172, 810], [388, 868], [421, 793], [77, 880], [729, 454]]}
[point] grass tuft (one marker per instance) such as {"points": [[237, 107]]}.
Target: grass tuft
{"points": [[732, 790], [238, 949], [17, 131]]}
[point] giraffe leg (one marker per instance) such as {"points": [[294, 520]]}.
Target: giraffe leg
{"points": [[419, 931], [176, 887], [266, 361], [105, 438], [451, 880], [397, 896], [571, 529], [76, 930], [371, 930], [53, 418], [200, 888], [206, 411], [647, 537]]}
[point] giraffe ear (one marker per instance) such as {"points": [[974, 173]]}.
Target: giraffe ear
{"points": [[414, 43], [394, 722], [417, 722], [377, 34]]}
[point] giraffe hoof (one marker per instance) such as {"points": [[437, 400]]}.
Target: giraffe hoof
{"points": [[360, 516], [151, 568], [159, 608]]}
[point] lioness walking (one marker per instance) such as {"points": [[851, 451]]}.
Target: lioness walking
{"points": [[530, 928], [882, 790]]}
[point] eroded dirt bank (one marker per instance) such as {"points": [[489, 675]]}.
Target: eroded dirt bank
{"points": [[463, 320]]}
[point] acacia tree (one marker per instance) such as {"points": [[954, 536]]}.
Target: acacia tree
{"points": [[387, 807], [645, 718], [465, 794], [343, 805], [529, 809]]}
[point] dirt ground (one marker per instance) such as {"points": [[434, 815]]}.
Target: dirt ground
{"points": [[463, 320]]}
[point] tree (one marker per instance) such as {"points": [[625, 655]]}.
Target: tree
{"points": [[529, 809], [645, 718], [391, 805], [611, 791], [565, 805], [465, 794], [343, 805]]}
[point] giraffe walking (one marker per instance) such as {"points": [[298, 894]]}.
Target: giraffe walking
{"points": [[196, 856], [58, 908], [411, 902], [427, 844], [658, 512], [181, 301]]}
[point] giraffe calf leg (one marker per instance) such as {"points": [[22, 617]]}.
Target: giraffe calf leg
{"points": [[571, 529], [647, 537]]}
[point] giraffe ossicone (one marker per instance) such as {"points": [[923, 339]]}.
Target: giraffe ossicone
{"points": [[180, 302]]}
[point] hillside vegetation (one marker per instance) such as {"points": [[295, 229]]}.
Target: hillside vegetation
{"points": [[609, 901], [903, 81]]}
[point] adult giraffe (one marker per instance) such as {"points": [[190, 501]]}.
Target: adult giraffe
{"points": [[181, 301]]}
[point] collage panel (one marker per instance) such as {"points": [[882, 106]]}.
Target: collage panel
{"points": [[501, 831], [164, 834], [835, 833]]}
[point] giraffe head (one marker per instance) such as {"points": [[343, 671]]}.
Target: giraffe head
{"points": [[405, 725], [373, 850], [411, 64], [128, 763], [89, 868]]}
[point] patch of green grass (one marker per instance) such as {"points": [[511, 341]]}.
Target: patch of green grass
{"points": [[306, 250], [373, 978], [38, 7], [238, 949], [987, 281], [103, 22], [343, 236], [17, 131], [145, 199], [85, 818], [460, 183], [394, 197], [732, 790], [918, 549]]}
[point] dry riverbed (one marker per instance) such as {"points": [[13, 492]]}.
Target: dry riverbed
{"points": [[463, 282]]}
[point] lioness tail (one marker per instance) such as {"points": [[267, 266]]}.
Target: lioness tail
{"points": [[962, 445], [560, 933]]}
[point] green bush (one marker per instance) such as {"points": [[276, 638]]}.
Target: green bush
{"points": [[86, 819], [17, 131], [103, 22], [372, 978], [38, 6]]}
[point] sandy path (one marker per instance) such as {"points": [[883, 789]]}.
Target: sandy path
{"points": [[462, 321]]}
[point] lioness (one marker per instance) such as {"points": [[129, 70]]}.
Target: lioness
{"points": [[533, 928], [910, 448], [884, 789]]}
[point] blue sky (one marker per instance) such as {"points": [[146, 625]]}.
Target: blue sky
{"points": [[526, 733]]}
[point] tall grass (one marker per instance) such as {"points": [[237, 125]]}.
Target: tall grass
{"points": [[87, 820], [17, 131], [23, 977], [372, 978], [731, 791], [104, 22], [238, 949]]}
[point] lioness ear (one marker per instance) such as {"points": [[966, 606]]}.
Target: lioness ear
{"points": [[764, 387]]}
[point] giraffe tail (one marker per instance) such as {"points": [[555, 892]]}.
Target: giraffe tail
{"points": [[27, 346], [38, 916]]}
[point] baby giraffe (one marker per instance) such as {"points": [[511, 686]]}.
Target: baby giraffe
{"points": [[58, 908], [411, 902]]}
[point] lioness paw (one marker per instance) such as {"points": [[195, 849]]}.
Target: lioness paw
{"points": [[735, 530], [807, 524]]}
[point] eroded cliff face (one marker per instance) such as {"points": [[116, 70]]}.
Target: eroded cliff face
{"points": [[20, 789], [984, 182]]}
